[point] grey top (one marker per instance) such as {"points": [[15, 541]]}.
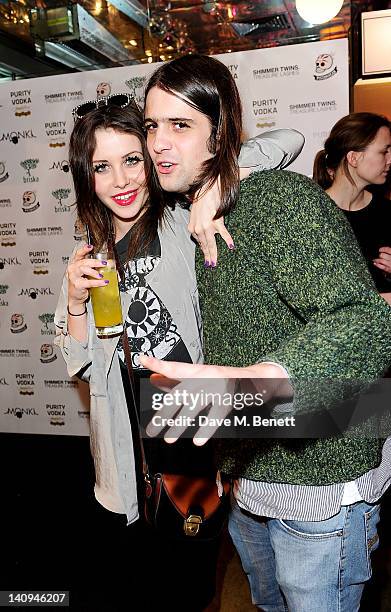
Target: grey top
{"points": [[111, 438]]}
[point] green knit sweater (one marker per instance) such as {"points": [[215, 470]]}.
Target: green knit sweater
{"points": [[296, 291]]}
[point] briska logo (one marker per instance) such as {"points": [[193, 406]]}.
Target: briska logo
{"points": [[33, 292], [28, 165], [47, 353], [25, 383], [17, 323], [8, 234], [103, 90], [60, 165], [3, 173], [40, 261], [136, 85], [21, 101], [60, 195], [324, 67], [56, 131], [29, 201], [20, 412], [3, 291], [14, 136], [47, 319]]}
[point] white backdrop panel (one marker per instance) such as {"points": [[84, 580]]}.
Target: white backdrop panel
{"points": [[280, 87]]}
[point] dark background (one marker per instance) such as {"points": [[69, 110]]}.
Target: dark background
{"points": [[55, 536]]}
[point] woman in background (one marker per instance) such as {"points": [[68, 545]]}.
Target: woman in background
{"points": [[356, 156]]}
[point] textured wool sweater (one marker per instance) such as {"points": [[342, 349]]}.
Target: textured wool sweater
{"points": [[296, 291]]}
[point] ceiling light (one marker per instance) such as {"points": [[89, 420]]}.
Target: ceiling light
{"points": [[149, 60], [320, 11], [133, 42]]}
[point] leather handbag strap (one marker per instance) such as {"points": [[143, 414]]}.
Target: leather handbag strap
{"points": [[128, 359]]}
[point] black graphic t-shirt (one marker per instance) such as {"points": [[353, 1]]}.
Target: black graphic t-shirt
{"points": [[150, 327], [151, 330]]}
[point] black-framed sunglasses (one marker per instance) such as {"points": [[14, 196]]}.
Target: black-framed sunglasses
{"points": [[120, 100]]}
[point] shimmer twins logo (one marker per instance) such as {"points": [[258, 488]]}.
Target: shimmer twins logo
{"points": [[63, 96], [103, 90], [270, 72], [47, 353], [324, 67], [17, 323], [29, 201]]}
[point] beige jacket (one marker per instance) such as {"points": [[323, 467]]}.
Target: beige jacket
{"points": [[96, 361]]}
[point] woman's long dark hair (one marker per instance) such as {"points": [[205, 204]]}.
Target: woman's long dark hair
{"points": [[351, 133], [90, 210], [208, 86]]}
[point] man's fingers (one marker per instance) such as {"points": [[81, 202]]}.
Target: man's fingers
{"points": [[171, 369], [162, 382]]}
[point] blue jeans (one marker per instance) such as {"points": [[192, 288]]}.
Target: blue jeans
{"points": [[307, 566]]}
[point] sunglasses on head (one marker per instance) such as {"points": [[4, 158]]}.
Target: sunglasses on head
{"points": [[120, 100]]}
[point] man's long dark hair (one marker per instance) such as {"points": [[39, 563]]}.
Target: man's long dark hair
{"points": [[208, 86], [90, 210]]}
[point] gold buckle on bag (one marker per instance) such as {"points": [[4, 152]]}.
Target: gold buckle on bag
{"points": [[191, 525]]}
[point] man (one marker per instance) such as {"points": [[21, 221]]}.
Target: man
{"points": [[295, 298]]}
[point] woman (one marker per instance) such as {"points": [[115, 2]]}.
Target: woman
{"points": [[118, 199], [111, 170], [356, 155]]}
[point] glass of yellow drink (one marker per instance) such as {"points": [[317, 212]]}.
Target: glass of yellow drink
{"points": [[106, 302]]}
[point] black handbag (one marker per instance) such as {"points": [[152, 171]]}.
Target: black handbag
{"points": [[176, 505]]}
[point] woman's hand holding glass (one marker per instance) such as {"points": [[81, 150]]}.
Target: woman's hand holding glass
{"points": [[83, 273]]}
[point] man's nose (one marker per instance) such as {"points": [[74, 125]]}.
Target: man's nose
{"points": [[161, 140]]}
